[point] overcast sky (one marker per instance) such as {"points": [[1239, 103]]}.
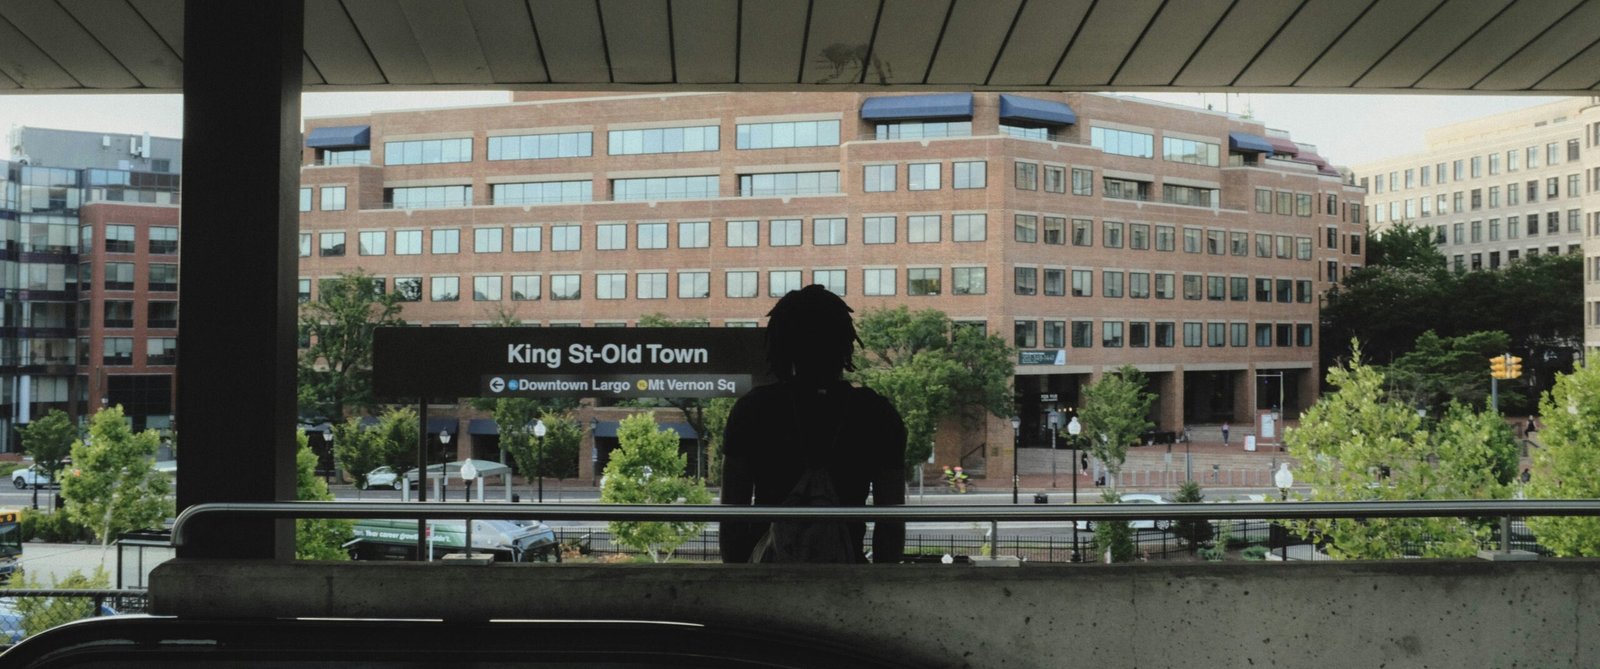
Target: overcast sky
{"points": [[1348, 129]]}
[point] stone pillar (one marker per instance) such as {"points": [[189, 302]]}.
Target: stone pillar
{"points": [[1244, 396], [236, 386], [1170, 385]]}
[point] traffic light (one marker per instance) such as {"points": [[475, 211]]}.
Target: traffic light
{"points": [[1497, 367], [1513, 367]]}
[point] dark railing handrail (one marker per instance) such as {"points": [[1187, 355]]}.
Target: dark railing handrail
{"points": [[930, 513]]}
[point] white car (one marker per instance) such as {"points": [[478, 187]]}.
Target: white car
{"points": [[1145, 524], [384, 477], [32, 477]]}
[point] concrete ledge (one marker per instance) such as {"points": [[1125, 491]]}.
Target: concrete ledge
{"points": [[1413, 613]]}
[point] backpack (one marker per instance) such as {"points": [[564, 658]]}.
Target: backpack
{"points": [[818, 541]]}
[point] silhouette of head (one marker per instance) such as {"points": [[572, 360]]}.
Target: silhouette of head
{"points": [[810, 336]]}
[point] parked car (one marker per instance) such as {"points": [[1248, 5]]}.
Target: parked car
{"points": [[31, 477], [384, 477], [1137, 498]]}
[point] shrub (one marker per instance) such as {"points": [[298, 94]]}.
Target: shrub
{"points": [[1192, 532], [1254, 553], [56, 528], [1213, 554]]}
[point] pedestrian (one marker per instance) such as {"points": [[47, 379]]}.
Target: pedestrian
{"points": [[1083, 462], [812, 436], [1224, 433], [1526, 476], [1531, 426]]}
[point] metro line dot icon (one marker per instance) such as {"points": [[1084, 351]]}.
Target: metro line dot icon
{"points": [[641, 384], [497, 384]]}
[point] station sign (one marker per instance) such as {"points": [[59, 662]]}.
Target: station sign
{"points": [[618, 363], [1056, 357]]}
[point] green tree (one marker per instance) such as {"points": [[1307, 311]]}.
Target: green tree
{"points": [[1568, 466], [38, 614], [1114, 413], [392, 442], [336, 367], [1439, 370], [646, 468], [692, 408], [717, 411], [1356, 444], [114, 486], [556, 456], [1192, 532], [316, 538], [49, 441], [930, 369], [1407, 246], [1113, 538]]}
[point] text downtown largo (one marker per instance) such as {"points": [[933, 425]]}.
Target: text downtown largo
{"points": [[616, 385]]}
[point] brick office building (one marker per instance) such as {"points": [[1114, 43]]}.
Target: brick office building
{"points": [[1090, 230], [90, 276]]}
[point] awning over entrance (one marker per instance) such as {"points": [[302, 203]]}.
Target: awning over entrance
{"points": [[482, 427], [608, 429], [914, 107], [1035, 111], [1283, 147], [438, 424], [1244, 142], [340, 137]]}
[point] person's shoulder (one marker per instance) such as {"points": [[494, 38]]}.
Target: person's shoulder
{"points": [[871, 400]]}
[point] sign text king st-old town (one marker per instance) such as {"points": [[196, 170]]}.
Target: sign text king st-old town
{"points": [[528, 354]]}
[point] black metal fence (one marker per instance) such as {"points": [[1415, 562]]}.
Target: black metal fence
{"points": [[25, 612]]}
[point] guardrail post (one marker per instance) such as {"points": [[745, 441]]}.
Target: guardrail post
{"points": [[1505, 534]]}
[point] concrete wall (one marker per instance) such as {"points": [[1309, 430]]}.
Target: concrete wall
{"points": [[1371, 614]]}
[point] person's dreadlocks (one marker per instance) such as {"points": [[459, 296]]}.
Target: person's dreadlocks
{"points": [[810, 336]]}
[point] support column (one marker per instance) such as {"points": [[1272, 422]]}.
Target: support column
{"points": [[236, 383], [1170, 387], [1244, 397]]}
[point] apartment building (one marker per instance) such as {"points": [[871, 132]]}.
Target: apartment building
{"points": [[89, 311], [1092, 231]]}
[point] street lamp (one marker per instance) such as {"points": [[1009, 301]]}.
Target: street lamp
{"points": [[1016, 444], [1074, 428], [444, 468], [1284, 479], [594, 446], [469, 473], [1055, 435], [538, 456]]}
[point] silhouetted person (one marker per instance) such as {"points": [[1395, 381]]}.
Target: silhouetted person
{"points": [[813, 419]]}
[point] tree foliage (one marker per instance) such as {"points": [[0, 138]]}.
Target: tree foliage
{"points": [[114, 486], [49, 441], [1568, 466], [646, 468], [1444, 369], [336, 368], [1357, 444], [1192, 532], [692, 408], [717, 411], [392, 442], [1406, 246], [316, 538], [556, 456], [37, 614], [1113, 539], [930, 368], [1114, 413]]}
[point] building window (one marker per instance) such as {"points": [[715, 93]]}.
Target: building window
{"points": [[1216, 242], [924, 130], [1216, 288], [428, 151], [566, 287], [827, 231], [1082, 232], [1263, 290], [305, 200], [330, 244], [969, 281], [445, 289], [1111, 334], [1285, 334], [1165, 237], [878, 282], [611, 286], [1302, 246], [119, 238], [486, 289], [1055, 334], [1082, 181], [783, 232], [787, 183], [1193, 286], [551, 145], [1139, 236], [923, 281], [1164, 286], [524, 287], [545, 192], [1263, 200], [743, 233], [431, 197], [1026, 228], [1082, 283], [694, 285], [1285, 291], [1082, 334], [689, 139], [831, 279], [371, 242], [1026, 281], [1190, 196], [922, 176], [652, 236], [1025, 333], [1111, 284], [1125, 189], [305, 245], [1027, 176], [922, 229], [878, 229], [967, 175], [651, 285], [165, 314], [692, 234], [1055, 179], [741, 284], [674, 188], [487, 240], [611, 237], [116, 351], [1123, 142], [406, 288], [1303, 335], [1190, 151], [786, 135], [879, 179], [1139, 285], [446, 242], [969, 227], [1191, 240], [1055, 230], [1285, 204], [1192, 334], [332, 198], [1138, 335], [1055, 282], [407, 242], [1264, 335], [1239, 289], [118, 314], [1165, 337]]}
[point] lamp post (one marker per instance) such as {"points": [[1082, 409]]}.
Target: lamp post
{"points": [[1074, 428], [538, 456], [444, 468], [469, 473], [1284, 479], [594, 446], [1055, 435], [1016, 444]]}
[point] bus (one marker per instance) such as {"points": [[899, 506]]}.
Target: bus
{"points": [[505, 540], [10, 542]]}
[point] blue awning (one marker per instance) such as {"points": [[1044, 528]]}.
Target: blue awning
{"points": [[1034, 110], [478, 427], [340, 137], [608, 429], [437, 425], [911, 107], [1244, 142]]}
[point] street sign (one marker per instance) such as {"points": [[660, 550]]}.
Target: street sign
{"points": [[1057, 357]]}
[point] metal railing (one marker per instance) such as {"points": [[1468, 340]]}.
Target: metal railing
{"points": [[1502, 509], [28, 611]]}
